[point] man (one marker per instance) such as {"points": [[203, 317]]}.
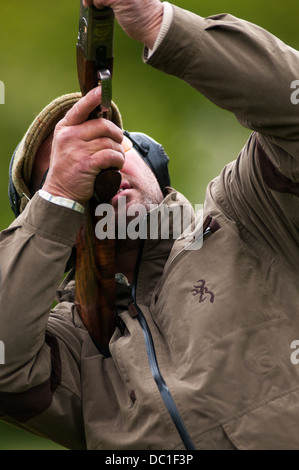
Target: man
{"points": [[201, 354]]}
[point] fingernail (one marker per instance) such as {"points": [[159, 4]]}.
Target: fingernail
{"points": [[98, 91]]}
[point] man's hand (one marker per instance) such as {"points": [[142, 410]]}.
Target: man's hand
{"points": [[81, 148], [140, 19]]}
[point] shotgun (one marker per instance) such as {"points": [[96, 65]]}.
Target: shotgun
{"points": [[95, 259]]}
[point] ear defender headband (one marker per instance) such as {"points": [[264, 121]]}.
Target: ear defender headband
{"points": [[153, 154]]}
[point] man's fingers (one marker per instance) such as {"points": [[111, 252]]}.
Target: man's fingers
{"points": [[97, 3], [107, 158], [80, 112], [105, 147], [104, 143], [98, 128], [76, 122], [87, 3]]}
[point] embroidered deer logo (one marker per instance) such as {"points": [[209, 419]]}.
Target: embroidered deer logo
{"points": [[201, 290]]}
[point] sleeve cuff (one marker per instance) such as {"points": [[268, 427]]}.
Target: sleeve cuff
{"points": [[166, 23], [51, 221], [62, 201]]}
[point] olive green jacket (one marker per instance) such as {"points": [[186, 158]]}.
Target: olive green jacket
{"points": [[221, 319]]}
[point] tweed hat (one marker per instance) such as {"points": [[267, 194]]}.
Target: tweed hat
{"points": [[22, 160]]}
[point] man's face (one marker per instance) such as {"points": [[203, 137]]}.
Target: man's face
{"points": [[139, 184]]}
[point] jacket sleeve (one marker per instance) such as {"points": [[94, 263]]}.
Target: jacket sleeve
{"points": [[39, 359], [246, 70]]}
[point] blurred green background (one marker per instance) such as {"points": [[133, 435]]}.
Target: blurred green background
{"points": [[38, 63]]}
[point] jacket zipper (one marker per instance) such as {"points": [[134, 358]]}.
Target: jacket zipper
{"points": [[153, 363]]}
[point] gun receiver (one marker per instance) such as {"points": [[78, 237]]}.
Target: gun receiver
{"points": [[95, 52]]}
